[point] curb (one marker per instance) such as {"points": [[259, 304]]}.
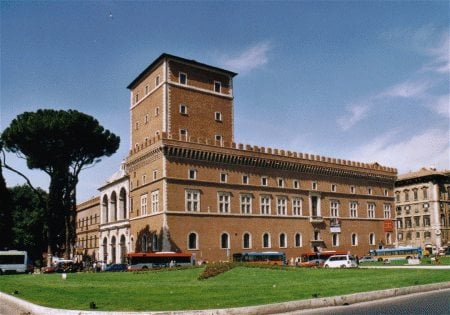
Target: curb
{"points": [[249, 310]]}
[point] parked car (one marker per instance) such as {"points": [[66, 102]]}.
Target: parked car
{"points": [[117, 267], [366, 259], [341, 261], [313, 263]]}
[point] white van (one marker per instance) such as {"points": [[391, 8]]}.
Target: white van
{"points": [[341, 261]]}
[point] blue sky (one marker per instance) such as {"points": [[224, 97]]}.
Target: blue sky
{"points": [[366, 81]]}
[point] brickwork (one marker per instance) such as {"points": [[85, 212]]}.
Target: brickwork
{"points": [[87, 228]]}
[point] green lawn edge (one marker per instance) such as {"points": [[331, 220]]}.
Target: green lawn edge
{"points": [[181, 289]]}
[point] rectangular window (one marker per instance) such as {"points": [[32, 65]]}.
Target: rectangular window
{"points": [[144, 179], [296, 184], [217, 86], [192, 174], [155, 201], [144, 204], [352, 189], [334, 209], [415, 194], [223, 177], [245, 179], [146, 90], [183, 134], [297, 206], [157, 81], [406, 195], [335, 239], [353, 209], [263, 181], [246, 204], [281, 205], [417, 221], [218, 116], [371, 210], [387, 211], [369, 190], [314, 185], [425, 193], [183, 109], [386, 192], [333, 187], [192, 200], [265, 205], [426, 220], [280, 182], [218, 139], [136, 98], [182, 78], [155, 174], [397, 196], [224, 202]]}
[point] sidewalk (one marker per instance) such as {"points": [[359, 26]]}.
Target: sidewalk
{"points": [[24, 307]]}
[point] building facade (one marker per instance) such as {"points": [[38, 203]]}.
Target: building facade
{"points": [[87, 230], [422, 201], [193, 189]]}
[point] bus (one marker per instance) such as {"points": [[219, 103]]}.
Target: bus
{"points": [[396, 253], [316, 259], [13, 261], [272, 258], [143, 261]]}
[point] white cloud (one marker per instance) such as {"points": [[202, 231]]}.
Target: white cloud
{"points": [[406, 89], [440, 54], [355, 113], [441, 105], [429, 148], [251, 58]]}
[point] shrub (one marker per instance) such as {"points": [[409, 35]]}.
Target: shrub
{"points": [[215, 269]]}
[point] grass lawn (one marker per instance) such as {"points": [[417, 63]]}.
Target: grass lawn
{"points": [[180, 289], [445, 260]]}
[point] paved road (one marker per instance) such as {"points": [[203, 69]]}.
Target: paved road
{"points": [[9, 309], [434, 302]]}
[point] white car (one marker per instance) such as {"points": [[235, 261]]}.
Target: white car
{"points": [[341, 261], [367, 259]]}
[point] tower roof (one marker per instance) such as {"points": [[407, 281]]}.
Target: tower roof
{"points": [[176, 58]]}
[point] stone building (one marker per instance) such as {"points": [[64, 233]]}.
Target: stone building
{"points": [[422, 202], [87, 229], [193, 188]]}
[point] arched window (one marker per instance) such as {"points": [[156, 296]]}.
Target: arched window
{"points": [[372, 239], [123, 204], [113, 206], [105, 211], [155, 242], [113, 249], [225, 241], [266, 240], [335, 239], [354, 239], [192, 241], [144, 243], [247, 241], [283, 240], [105, 249], [298, 240], [123, 250], [388, 238]]}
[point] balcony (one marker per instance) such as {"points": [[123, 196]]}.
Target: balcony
{"points": [[316, 219]]}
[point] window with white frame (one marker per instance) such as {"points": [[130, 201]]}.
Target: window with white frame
{"points": [[264, 181], [223, 177], [183, 134], [218, 116], [265, 204], [155, 174], [371, 210], [369, 190], [333, 187], [387, 211], [266, 240], [283, 240], [334, 209], [388, 238], [144, 204], [217, 86], [372, 239], [246, 203], [182, 78], [314, 185], [183, 109], [192, 200], [144, 179], [225, 241], [314, 201], [296, 184], [354, 238], [386, 192], [353, 209], [223, 202], [247, 241], [146, 90], [192, 174], [136, 98], [219, 139], [335, 239], [192, 241], [155, 201], [352, 189], [157, 80], [280, 182], [297, 206], [281, 205], [298, 240], [245, 180]]}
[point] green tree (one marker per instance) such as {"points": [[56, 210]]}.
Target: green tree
{"points": [[29, 220], [61, 143], [5, 210]]}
